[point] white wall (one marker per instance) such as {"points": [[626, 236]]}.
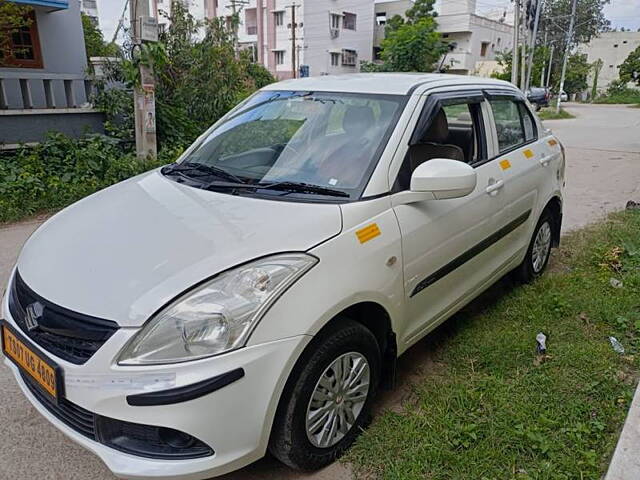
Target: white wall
{"points": [[604, 48], [318, 42]]}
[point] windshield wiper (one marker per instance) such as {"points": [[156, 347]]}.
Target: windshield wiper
{"points": [[203, 170], [300, 187]]}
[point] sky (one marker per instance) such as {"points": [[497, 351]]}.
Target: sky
{"points": [[622, 13]]}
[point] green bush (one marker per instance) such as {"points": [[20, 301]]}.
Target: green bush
{"points": [[619, 92], [61, 170]]}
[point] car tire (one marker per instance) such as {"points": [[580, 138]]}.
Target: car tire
{"points": [[537, 258], [295, 440]]}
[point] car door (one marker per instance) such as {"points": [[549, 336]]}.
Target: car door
{"points": [[525, 160], [447, 244]]}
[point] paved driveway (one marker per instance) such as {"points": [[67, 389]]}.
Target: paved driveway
{"points": [[603, 149]]}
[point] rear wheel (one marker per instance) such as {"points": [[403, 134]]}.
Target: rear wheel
{"points": [[326, 402], [537, 257]]}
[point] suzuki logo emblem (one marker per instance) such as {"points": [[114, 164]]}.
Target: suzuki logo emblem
{"points": [[32, 314]]}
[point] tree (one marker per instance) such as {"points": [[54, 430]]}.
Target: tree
{"points": [[198, 78], [94, 41], [590, 20], [540, 60], [630, 68], [411, 45], [13, 17], [577, 72]]}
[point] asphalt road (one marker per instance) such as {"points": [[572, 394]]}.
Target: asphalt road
{"points": [[603, 157]]}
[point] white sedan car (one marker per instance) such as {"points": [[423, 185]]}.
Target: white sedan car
{"points": [[256, 294]]}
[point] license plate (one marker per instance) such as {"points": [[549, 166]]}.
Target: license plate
{"points": [[47, 374]]}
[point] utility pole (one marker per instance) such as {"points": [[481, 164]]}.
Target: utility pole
{"points": [[566, 53], [533, 44], [553, 47], [516, 40], [144, 28], [293, 40]]}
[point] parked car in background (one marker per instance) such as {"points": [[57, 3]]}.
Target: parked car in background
{"points": [[564, 97], [256, 294], [539, 97]]}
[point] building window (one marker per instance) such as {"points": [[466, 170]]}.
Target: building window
{"points": [[24, 46], [251, 21], [279, 57], [335, 59], [377, 53], [335, 21], [349, 21], [483, 49], [381, 18], [279, 18], [445, 35], [349, 58], [89, 4]]}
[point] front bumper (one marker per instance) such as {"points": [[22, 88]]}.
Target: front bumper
{"points": [[235, 421]]}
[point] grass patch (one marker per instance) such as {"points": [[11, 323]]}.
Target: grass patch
{"points": [[550, 114], [493, 409], [627, 96]]}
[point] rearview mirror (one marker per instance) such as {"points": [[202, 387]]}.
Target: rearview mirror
{"points": [[444, 178]]}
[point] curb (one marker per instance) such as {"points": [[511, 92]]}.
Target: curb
{"points": [[625, 464]]}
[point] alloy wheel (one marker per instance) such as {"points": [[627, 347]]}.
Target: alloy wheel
{"points": [[337, 399]]}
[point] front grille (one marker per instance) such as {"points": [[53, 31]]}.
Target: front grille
{"points": [[79, 419], [137, 439], [66, 334]]}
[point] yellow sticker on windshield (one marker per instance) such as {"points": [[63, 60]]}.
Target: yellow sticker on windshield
{"points": [[368, 233], [528, 153], [505, 164]]}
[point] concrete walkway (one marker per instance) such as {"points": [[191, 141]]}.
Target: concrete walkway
{"points": [[603, 162]]}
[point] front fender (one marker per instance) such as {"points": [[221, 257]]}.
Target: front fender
{"points": [[349, 272]]}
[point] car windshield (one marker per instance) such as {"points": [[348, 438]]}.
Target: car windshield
{"points": [[294, 143]]}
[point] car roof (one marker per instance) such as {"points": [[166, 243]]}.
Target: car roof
{"points": [[382, 83]]}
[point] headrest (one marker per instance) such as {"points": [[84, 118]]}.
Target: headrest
{"points": [[438, 131], [358, 119]]}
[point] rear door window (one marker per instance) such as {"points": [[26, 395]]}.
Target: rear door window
{"points": [[509, 126]]}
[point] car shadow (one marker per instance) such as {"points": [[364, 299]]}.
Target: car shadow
{"points": [[415, 365]]}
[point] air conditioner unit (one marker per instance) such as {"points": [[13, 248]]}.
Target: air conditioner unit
{"points": [[335, 32]]}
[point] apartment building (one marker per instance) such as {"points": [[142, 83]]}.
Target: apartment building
{"points": [[477, 38], [329, 36], [384, 11], [90, 9], [612, 48]]}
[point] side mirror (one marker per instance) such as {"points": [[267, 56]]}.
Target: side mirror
{"points": [[444, 178]]}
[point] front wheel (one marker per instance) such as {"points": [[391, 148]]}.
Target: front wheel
{"points": [[537, 257], [326, 402]]}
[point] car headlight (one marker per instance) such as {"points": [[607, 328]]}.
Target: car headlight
{"points": [[217, 316]]}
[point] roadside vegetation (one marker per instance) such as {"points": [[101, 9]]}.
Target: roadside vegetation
{"points": [[619, 93], [61, 170], [550, 114], [489, 407]]}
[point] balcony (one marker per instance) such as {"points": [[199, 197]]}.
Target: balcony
{"points": [[32, 103], [460, 61], [50, 5]]}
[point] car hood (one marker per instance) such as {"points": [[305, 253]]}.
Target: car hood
{"points": [[123, 253]]}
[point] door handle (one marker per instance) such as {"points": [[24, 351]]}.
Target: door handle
{"points": [[545, 160], [494, 187]]}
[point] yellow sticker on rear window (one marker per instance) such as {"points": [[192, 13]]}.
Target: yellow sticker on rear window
{"points": [[528, 153], [505, 164], [368, 233]]}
